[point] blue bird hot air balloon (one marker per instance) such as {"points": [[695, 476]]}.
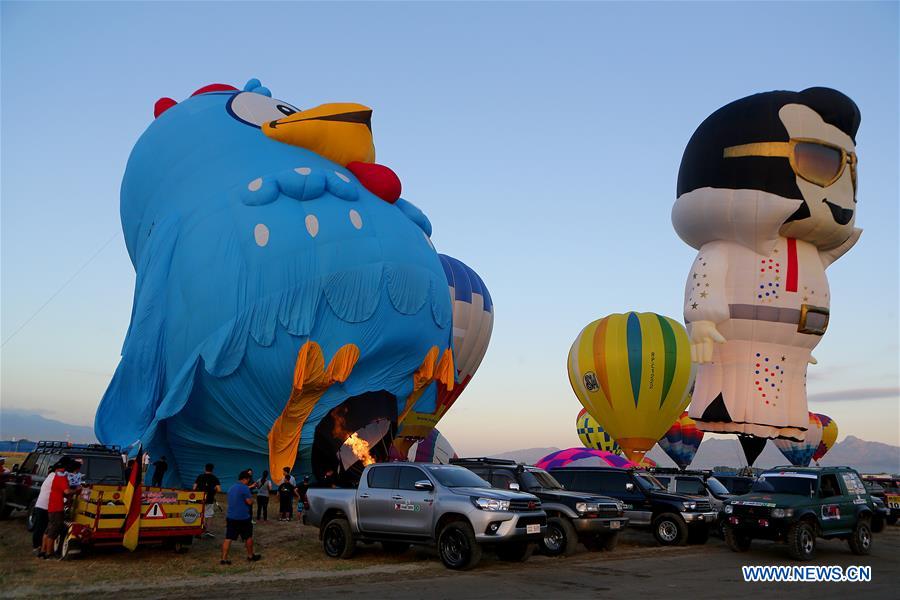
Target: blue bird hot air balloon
{"points": [[287, 300]]}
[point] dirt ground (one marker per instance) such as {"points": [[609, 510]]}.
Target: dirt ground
{"points": [[294, 565]]}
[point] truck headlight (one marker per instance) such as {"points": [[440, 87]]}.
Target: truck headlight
{"points": [[781, 513], [729, 509], [491, 504], [689, 505], [587, 507]]}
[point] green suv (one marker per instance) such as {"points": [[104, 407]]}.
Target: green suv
{"points": [[799, 505]]}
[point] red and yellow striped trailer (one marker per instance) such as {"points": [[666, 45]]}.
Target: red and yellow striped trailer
{"points": [[169, 516]]}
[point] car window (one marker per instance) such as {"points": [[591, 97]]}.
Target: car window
{"points": [[716, 486], [689, 485], [483, 473], [828, 486], [565, 478], [28, 465], [502, 479], [383, 477], [601, 481], [408, 478], [452, 476], [103, 469], [663, 480]]}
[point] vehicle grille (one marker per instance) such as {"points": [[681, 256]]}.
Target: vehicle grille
{"points": [[608, 510], [525, 521], [524, 505], [743, 510], [703, 506]]}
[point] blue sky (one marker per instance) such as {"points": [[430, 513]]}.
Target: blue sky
{"points": [[542, 139]]}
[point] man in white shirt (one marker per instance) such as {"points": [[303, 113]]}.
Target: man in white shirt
{"points": [[39, 512]]}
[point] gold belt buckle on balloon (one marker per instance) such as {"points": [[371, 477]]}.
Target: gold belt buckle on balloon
{"points": [[803, 326]]}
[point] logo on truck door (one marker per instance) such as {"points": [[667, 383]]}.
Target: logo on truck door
{"points": [[407, 506]]}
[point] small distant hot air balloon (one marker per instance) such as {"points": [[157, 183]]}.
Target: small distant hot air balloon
{"points": [[632, 373], [592, 435], [583, 457], [434, 449], [682, 440], [800, 453], [829, 436], [473, 321]]}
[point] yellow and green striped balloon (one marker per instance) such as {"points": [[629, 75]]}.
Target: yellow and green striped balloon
{"points": [[632, 372]]}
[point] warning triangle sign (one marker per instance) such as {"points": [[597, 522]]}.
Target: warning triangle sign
{"points": [[155, 512]]}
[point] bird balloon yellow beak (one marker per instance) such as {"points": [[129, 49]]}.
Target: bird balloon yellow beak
{"points": [[340, 131]]}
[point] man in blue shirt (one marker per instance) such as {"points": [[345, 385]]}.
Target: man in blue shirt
{"points": [[237, 519]]}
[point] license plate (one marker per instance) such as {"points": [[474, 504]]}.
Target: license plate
{"points": [[532, 529], [614, 524]]}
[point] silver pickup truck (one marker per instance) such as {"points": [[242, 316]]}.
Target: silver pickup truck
{"points": [[399, 504]]}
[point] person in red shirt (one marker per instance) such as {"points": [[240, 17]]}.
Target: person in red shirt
{"points": [[58, 491]]}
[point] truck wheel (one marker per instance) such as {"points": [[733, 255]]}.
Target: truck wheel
{"points": [[29, 517], [861, 539], [560, 538], [801, 541], [337, 539], [698, 534], [738, 542], [515, 551], [670, 530], [457, 546], [601, 541], [395, 547]]}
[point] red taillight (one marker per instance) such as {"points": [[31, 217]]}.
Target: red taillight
{"points": [[733, 520], [116, 496], [192, 496], [763, 523]]}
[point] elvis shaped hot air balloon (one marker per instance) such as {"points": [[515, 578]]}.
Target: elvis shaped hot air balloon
{"points": [[767, 195], [287, 301]]}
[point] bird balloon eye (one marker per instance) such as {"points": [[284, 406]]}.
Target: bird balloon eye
{"points": [[256, 109]]}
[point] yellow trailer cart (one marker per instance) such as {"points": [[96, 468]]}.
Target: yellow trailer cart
{"points": [[170, 517]]}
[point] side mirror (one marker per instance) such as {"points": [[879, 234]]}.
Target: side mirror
{"points": [[424, 485], [629, 487], [514, 486]]}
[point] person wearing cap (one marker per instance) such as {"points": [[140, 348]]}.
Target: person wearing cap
{"points": [[39, 513], [59, 489], [238, 519]]}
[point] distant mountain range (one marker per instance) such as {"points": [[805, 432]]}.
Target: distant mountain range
{"points": [[19, 424], [866, 457]]}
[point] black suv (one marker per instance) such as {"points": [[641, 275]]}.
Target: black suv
{"points": [[593, 520], [99, 464], [675, 518]]}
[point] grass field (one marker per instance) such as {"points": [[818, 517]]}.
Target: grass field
{"points": [[13, 458], [285, 546]]}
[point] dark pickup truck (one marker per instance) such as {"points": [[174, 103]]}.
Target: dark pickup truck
{"points": [[675, 519], [100, 464], [592, 519]]}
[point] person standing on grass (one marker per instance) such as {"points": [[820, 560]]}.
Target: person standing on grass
{"points": [[238, 518], [209, 484], [159, 470], [287, 493], [263, 488], [39, 513], [56, 504]]}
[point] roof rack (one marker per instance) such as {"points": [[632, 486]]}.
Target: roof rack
{"points": [[486, 460], [57, 445]]}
